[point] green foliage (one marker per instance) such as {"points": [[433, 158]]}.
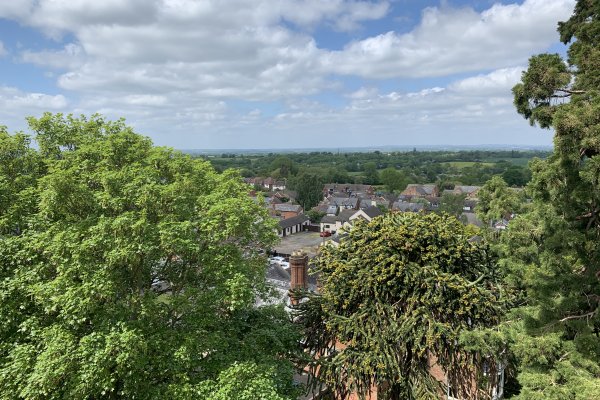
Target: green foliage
{"points": [[20, 167], [552, 252], [247, 381], [128, 270], [393, 180], [453, 204], [309, 187], [284, 167], [315, 216], [497, 201], [472, 167], [396, 292], [536, 95], [516, 176]]}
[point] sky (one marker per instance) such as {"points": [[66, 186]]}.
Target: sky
{"points": [[249, 74]]}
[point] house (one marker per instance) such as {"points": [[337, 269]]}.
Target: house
{"points": [[472, 219], [366, 213], [434, 202], [469, 191], [334, 223], [287, 210], [278, 185], [285, 195], [331, 210], [368, 201], [349, 188], [346, 218], [469, 205], [254, 181], [418, 190], [268, 183], [292, 225], [404, 206], [345, 203]]}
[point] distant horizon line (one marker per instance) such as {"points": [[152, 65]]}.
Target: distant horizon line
{"points": [[363, 149]]}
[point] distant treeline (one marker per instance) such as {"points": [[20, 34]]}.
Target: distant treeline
{"points": [[444, 167]]}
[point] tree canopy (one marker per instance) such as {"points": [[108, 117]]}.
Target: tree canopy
{"points": [[398, 292], [497, 201], [129, 271], [309, 187], [552, 251]]}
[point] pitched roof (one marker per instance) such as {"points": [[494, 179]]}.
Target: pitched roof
{"points": [[287, 207], [458, 189], [425, 190], [289, 222], [404, 206], [329, 219], [343, 216], [347, 187], [341, 201], [372, 211]]}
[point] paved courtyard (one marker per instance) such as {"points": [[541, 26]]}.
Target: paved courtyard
{"points": [[307, 241]]}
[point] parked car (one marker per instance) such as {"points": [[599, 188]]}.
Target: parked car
{"points": [[325, 234]]}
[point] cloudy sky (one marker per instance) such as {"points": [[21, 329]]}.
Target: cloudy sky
{"points": [[208, 74]]}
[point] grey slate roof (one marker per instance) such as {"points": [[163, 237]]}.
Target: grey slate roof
{"points": [[344, 202], [287, 207], [289, 222], [472, 219], [329, 219], [410, 207], [372, 211], [343, 216]]}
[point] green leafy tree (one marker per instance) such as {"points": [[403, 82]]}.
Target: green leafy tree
{"points": [[246, 381], [371, 175], [337, 175], [309, 187], [20, 167], [453, 204], [133, 272], [398, 291], [497, 201], [393, 179], [315, 216], [283, 167], [553, 251], [516, 176]]}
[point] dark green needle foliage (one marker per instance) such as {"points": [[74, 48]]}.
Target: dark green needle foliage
{"points": [[553, 252], [397, 293]]}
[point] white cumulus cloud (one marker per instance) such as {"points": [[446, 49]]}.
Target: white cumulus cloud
{"points": [[450, 40]]}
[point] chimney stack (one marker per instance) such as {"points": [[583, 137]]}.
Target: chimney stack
{"points": [[298, 272]]}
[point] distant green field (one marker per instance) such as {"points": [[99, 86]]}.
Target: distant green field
{"points": [[463, 164], [521, 161]]}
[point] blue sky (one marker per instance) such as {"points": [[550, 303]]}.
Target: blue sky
{"points": [[280, 73]]}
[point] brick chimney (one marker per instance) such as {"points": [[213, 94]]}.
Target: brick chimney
{"points": [[298, 272]]}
